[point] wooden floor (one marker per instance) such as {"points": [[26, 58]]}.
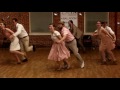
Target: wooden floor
{"points": [[39, 67]]}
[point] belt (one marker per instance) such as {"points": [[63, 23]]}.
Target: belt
{"points": [[23, 37], [70, 41]]}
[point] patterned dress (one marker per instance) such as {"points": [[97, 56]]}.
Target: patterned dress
{"points": [[14, 45], [59, 51], [106, 42]]}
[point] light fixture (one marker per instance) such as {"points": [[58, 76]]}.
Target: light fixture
{"points": [[80, 14], [118, 23], [55, 13]]}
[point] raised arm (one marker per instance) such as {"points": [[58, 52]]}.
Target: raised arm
{"points": [[95, 33], [9, 30]]}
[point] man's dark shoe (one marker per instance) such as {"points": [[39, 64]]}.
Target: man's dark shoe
{"points": [[34, 48], [25, 60]]}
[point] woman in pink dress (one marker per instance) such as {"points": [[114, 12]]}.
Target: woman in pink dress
{"points": [[14, 45], [58, 52], [107, 43]]}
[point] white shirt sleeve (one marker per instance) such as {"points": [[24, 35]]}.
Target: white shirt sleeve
{"points": [[110, 30], [56, 33], [96, 31], [19, 29]]}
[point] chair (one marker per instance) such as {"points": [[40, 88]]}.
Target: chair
{"points": [[87, 40]]}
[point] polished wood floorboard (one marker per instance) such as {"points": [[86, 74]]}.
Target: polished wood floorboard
{"points": [[39, 67]]}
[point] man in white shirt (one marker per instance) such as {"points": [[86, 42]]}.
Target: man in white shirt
{"points": [[23, 37], [111, 32]]}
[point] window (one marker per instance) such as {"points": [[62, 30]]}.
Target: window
{"points": [[39, 22], [91, 18]]}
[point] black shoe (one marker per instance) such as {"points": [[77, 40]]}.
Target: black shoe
{"points": [[109, 59], [103, 63], [25, 60], [34, 48], [19, 63], [65, 66], [114, 63]]}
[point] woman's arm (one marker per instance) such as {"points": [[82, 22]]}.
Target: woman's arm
{"points": [[59, 37], [95, 34], [9, 30]]}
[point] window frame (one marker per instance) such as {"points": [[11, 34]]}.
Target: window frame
{"points": [[90, 33], [37, 33]]}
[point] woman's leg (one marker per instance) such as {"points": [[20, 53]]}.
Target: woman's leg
{"points": [[19, 53], [112, 56], [17, 58], [59, 65], [67, 64], [102, 53]]}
